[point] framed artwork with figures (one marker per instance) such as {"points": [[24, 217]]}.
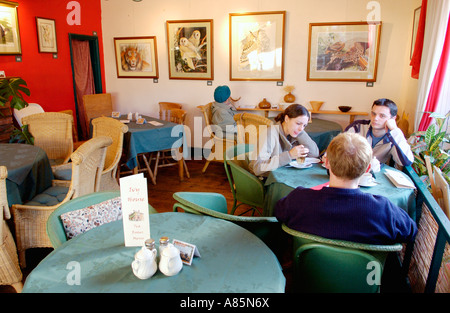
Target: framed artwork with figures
{"points": [[190, 49]]}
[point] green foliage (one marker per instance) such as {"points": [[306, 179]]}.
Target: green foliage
{"points": [[430, 142], [22, 135], [12, 90]]}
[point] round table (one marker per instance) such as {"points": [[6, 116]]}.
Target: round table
{"points": [[232, 260], [29, 171]]}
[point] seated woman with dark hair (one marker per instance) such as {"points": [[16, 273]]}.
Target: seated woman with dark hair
{"points": [[284, 141]]}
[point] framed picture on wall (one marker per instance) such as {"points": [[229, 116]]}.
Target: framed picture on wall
{"points": [[136, 57], [190, 49], [414, 30], [46, 32], [257, 46], [9, 28], [343, 51]]}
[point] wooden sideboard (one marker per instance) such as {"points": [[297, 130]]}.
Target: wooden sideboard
{"points": [[351, 114]]}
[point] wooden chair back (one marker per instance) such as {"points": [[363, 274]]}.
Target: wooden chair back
{"points": [[164, 107]]}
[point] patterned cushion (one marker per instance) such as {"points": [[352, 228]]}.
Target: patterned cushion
{"points": [[82, 220]]}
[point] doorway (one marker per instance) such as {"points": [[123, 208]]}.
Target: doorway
{"points": [[91, 77]]}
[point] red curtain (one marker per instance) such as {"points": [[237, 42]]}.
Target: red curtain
{"points": [[418, 46], [438, 80], [84, 81]]}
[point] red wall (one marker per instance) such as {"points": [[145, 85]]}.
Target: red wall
{"points": [[49, 79]]}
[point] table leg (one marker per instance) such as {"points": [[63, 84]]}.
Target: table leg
{"points": [[352, 118]]}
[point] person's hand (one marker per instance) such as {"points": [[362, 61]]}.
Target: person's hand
{"points": [[298, 151], [391, 124]]}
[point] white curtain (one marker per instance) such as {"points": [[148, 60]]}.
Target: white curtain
{"points": [[435, 30]]}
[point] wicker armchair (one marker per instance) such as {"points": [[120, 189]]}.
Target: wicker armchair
{"points": [[249, 127], [30, 218], [10, 273], [164, 158], [107, 126], [219, 145], [165, 107], [52, 131]]}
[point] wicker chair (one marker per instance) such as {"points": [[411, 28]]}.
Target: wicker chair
{"points": [[164, 158], [96, 105], [10, 273], [107, 126], [249, 127], [165, 107], [52, 131], [219, 145], [30, 218]]}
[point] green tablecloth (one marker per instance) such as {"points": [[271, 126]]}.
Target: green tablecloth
{"points": [[283, 180], [29, 171], [142, 138], [232, 260]]}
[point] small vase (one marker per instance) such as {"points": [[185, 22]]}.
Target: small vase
{"points": [[289, 98], [264, 104]]}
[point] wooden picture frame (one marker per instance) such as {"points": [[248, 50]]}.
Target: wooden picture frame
{"points": [[190, 49], [46, 33], [9, 28], [345, 51], [416, 19], [136, 57], [257, 46]]}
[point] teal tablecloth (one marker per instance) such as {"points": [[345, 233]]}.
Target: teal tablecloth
{"points": [[142, 138], [322, 132], [29, 171], [283, 180], [232, 260]]}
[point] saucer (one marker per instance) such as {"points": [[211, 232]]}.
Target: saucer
{"points": [[312, 160], [369, 184], [296, 165]]}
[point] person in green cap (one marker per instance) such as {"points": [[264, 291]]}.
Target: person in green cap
{"points": [[223, 112]]}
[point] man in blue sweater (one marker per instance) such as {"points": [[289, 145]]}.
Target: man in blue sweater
{"points": [[342, 211]]}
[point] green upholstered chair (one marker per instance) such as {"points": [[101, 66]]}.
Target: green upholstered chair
{"points": [[268, 229], [245, 187], [55, 228], [327, 265]]}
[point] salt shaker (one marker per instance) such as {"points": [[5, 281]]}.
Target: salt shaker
{"points": [[150, 244], [163, 242]]}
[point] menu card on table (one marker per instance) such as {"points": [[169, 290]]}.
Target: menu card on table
{"points": [[136, 225]]}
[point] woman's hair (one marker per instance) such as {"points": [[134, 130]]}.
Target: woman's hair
{"points": [[292, 111], [349, 155]]}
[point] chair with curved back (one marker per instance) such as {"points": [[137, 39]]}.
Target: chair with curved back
{"points": [[245, 187], [328, 265], [164, 158], [96, 105], [214, 204], [249, 126], [31, 217], [218, 145], [165, 107], [10, 273], [107, 126], [32, 108], [52, 131]]}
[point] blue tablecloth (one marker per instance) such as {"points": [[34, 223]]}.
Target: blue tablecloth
{"points": [[283, 180], [232, 260], [29, 171], [142, 138]]}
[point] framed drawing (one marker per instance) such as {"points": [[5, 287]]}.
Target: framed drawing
{"points": [[257, 46], [343, 51], [414, 30], [136, 57], [46, 32], [9, 28], [190, 47]]}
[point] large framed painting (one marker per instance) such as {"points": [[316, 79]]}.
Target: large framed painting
{"points": [[190, 49], [257, 46], [46, 32], [136, 57], [343, 51], [9, 28]]}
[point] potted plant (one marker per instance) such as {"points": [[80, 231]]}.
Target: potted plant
{"points": [[12, 90], [430, 142]]}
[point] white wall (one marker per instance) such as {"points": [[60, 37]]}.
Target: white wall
{"points": [[125, 18]]}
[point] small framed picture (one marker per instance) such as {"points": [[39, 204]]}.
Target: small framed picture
{"points": [[187, 251], [136, 57], [46, 32]]}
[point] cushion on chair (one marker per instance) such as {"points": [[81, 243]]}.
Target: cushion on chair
{"points": [[79, 221], [63, 172], [51, 196]]}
